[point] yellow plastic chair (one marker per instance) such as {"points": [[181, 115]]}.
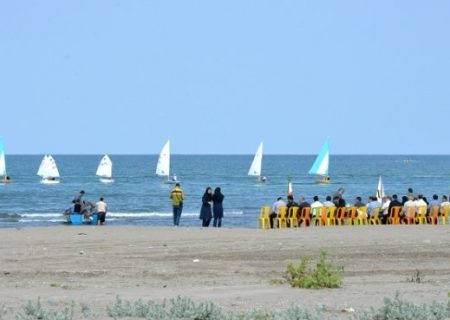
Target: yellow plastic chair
{"points": [[282, 218], [264, 217], [394, 215], [331, 218], [421, 215], [292, 217], [352, 215], [444, 214], [375, 219], [433, 218], [362, 215], [320, 216]]}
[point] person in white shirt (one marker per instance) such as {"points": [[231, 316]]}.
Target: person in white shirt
{"points": [[420, 202], [315, 204], [276, 209], [444, 203], [102, 209], [409, 203], [328, 203]]}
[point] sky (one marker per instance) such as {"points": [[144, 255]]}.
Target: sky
{"points": [[218, 77]]}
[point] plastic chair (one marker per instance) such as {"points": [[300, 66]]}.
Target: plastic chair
{"points": [[331, 218], [421, 215], [394, 215], [445, 212], [281, 218], [362, 215], [411, 215], [76, 219], [341, 215], [320, 216], [305, 217], [352, 214], [375, 219], [292, 217], [264, 217], [434, 214]]}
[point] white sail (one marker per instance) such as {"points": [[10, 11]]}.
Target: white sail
{"points": [[380, 190], [105, 167], [48, 168], [2, 160], [163, 166], [320, 166], [256, 167]]}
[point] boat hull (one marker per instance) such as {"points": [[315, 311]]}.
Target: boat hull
{"points": [[46, 181], [6, 181], [106, 180], [326, 180]]}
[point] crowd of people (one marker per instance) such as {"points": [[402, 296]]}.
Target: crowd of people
{"points": [[211, 209], [87, 208], [384, 205]]}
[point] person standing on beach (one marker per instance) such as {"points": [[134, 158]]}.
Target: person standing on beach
{"points": [[205, 212], [177, 197], [102, 209], [217, 200]]}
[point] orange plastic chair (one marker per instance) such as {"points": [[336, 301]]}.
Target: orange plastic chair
{"points": [[292, 217], [305, 217], [394, 215], [421, 215], [341, 215], [434, 214], [410, 215], [331, 219], [375, 219], [264, 217], [282, 218]]}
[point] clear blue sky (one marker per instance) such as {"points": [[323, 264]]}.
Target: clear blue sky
{"points": [[219, 76]]}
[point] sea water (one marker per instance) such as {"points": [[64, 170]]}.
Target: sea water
{"points": [[139, 197]]}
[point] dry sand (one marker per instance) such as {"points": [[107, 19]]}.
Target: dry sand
{"points": [[93, 264]]}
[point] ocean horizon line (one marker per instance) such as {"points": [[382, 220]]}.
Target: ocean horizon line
{"points": [[231, 154]]}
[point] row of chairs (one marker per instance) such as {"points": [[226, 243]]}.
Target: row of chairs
{"points": [[331, 216]]}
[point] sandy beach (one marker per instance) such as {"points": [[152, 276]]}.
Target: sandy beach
{"points": [[231, 267]]}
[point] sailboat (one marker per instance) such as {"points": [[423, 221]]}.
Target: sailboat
{"points": [[380, 191], [48, 170], [163, 166], [104, 170], [3, 174], [320, 166], [256, 166]]}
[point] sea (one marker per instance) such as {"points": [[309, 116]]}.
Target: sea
{"points": [[139, 197]]}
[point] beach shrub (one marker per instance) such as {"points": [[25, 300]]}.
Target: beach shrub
{"points": [[178, 308], [399, 309], [35, 311], [325, 274]]}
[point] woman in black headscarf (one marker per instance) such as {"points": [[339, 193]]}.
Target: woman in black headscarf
{"points": [[217, 199], [205, 212]]}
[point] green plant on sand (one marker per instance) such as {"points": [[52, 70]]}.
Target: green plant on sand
{"points": [[325, 274]]}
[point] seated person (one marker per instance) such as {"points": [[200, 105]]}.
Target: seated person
{"points": [[339, 202], [372, 205], [359, 203], [315, 204], [276, 209], [328, 203]]}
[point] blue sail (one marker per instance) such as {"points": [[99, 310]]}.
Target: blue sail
{"points": [[320, 166]]}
